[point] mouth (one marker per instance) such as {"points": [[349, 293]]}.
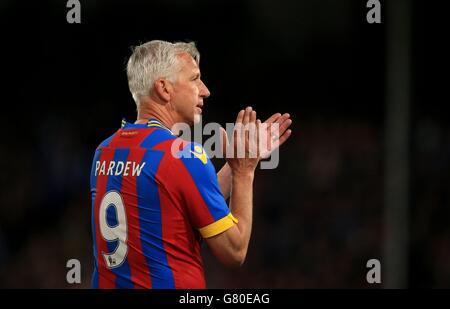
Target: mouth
{"points": [[199, 107]]}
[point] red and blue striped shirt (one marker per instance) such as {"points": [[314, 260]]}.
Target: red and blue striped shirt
{"points": [[150, 209]]}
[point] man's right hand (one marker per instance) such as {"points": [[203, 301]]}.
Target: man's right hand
{"points": [[242, 154], [231, 246]]}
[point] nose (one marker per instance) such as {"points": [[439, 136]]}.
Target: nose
{"points": [[204, 91]]}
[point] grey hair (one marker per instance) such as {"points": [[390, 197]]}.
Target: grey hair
{"points": [[153, 60]]}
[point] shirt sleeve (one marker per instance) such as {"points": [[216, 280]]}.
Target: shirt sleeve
{"points": [[205, 204]]}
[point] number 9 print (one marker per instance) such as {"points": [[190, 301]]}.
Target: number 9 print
{"points": [[117, 233]]}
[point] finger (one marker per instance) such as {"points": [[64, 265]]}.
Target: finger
{"points": [[252, 117], [274, 131], [284, 137], [240, 116], [246, 139], [283, 118], [284, 126], [269, 137], [237, 141], [239, 136], [280, 126], [247, 113], [277, 126], [252, 135], [273, 118], [258, 126], [251, 130], [244, 130]]}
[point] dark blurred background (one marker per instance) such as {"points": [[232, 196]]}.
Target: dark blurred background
{"points": [[365, 174]]}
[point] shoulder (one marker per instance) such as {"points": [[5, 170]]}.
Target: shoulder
{"points": [[194, 157], [158, 139], [106, 142], [191, 152]]}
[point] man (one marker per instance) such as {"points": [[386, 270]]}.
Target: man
{"points": [[151, 207]]}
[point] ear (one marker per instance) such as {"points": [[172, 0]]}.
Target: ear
{"points": [[163, 89]]}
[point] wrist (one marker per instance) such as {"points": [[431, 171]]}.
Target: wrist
{"points": [[243, 174]]}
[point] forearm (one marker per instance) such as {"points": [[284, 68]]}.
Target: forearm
{"points": [[224, 179], [241, 206]]}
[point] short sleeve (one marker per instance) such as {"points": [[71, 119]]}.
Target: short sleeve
{"points": [[205, 204]]}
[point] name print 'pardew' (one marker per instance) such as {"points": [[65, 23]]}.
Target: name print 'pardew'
{"points": [[117, 168]]}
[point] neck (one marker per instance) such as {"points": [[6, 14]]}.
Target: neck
{"points": [[150, 109]]}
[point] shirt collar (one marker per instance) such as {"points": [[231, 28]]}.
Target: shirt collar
{"points": [[151, 123]]}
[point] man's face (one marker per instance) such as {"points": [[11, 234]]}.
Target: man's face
{"points": [[188, 91]]}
